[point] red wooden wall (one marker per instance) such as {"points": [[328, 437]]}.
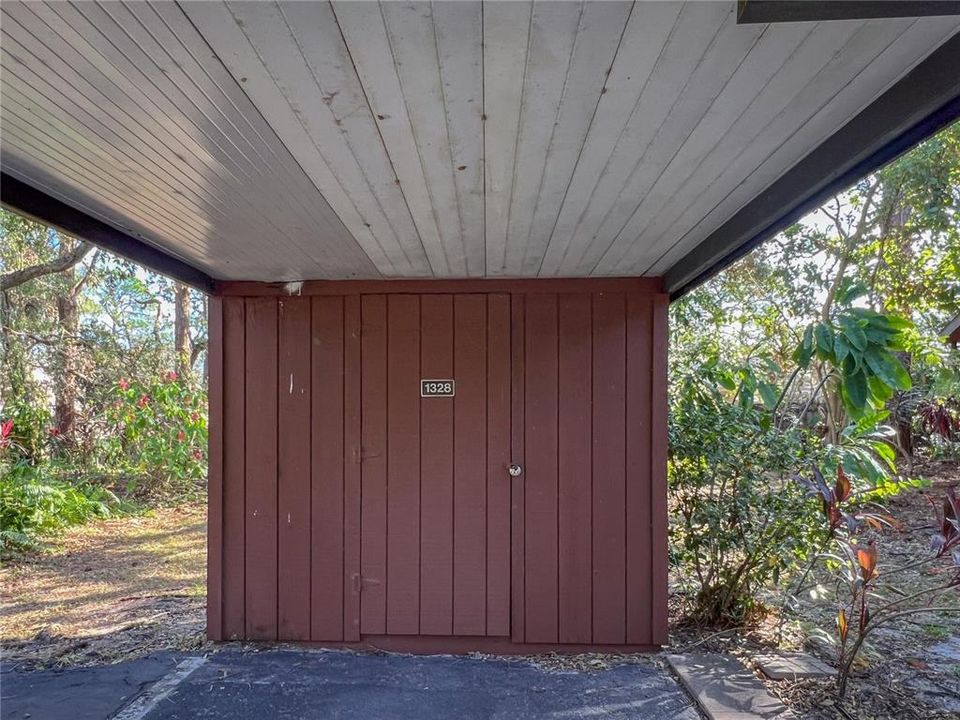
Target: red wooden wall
{"points": [[345, 507]]}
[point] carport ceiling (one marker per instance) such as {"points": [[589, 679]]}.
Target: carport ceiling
{"points": [[287, 141]]}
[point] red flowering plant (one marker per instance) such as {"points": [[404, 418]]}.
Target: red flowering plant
{"points": [[6, 428], [159, 434]]}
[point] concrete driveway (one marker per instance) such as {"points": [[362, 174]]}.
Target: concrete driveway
{"points": [[298, 684]]}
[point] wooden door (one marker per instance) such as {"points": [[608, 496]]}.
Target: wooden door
{"points": [[435, 508], [589, 527]]}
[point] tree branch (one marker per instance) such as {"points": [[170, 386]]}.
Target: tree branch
{"points": [[64, 261]]}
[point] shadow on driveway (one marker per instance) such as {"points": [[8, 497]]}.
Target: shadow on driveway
{"points": [[291, 684]]}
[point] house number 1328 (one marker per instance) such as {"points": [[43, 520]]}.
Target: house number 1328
{"points": [[437, 388]]}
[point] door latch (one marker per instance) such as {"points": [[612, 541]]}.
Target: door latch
{"points": [[514, 470]]}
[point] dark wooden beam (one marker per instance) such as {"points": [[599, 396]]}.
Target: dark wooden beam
{"points": [[444, 286], [780, 11], [920, 104], [24, 199]]}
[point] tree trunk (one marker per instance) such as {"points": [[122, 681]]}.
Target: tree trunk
{"points": [[68, 317], [182, 329]]}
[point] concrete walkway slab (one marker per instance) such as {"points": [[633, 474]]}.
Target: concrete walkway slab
{"points": [[301, 684], [724, 689], [792, 666]]}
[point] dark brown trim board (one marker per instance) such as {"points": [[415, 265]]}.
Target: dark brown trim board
{"points": [[23, 199], [463, 644], [440, 286], [215, 471], [777, 11], [923, 102]]}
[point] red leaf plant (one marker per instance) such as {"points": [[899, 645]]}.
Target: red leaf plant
{"points": [[867, 594]]}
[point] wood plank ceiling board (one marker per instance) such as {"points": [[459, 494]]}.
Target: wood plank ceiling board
{"points": [[54, 148], [245, 127], [629, 176], [38, 93], [874, 57], [330, 139], [320, 43], [572, 47], [775, 48], [649, 29], [506, 36], [144, 40], [413, 44], [124, 139], [708, 154], [364, 32], [458, 27], [77, 168]]}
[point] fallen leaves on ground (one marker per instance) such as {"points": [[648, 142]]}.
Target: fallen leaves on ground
{"points": [[108, 591]]}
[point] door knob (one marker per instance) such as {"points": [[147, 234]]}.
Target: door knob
{"points": [[514, 470]]}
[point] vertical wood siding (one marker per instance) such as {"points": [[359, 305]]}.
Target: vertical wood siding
{"points": [[342, 504], [436, 423], [328, 452], [294, 461]]}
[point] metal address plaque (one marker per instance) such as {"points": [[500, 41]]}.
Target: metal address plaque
{"points": [[437, 388]]}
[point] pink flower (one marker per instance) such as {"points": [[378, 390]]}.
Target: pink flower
{"points": [[181, 436], [54, 432], [5, 429], [143, 401], [124, 385], [197, 455], [170, 376]]}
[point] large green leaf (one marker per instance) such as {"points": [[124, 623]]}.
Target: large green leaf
{"points": [[855, 391], [824, 335], [853, 332], [850, 290], [804, 351], [841, 347], [886, 453], [879, 389], [886, 367], [769, 393]]}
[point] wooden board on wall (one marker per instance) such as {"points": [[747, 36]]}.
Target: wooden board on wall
{"points": [[234, 473], [294, 459], [436, 467], [261, 468], [373, 464], [327, 469]]}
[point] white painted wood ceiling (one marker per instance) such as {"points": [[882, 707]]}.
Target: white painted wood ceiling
{"points": [[282, 141]]}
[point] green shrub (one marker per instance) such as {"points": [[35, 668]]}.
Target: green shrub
{"points": [[740, 523], [29, 431], [149, 445], [157, 436], [34, 504]]}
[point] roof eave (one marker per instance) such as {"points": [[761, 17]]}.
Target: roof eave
{"points": [[917, 106]]}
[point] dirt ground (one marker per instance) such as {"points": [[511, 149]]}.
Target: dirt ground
{"points": [[107, 591]]}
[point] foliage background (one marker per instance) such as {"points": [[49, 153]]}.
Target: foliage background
{"points": [[102, 384], [820, 349]]}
